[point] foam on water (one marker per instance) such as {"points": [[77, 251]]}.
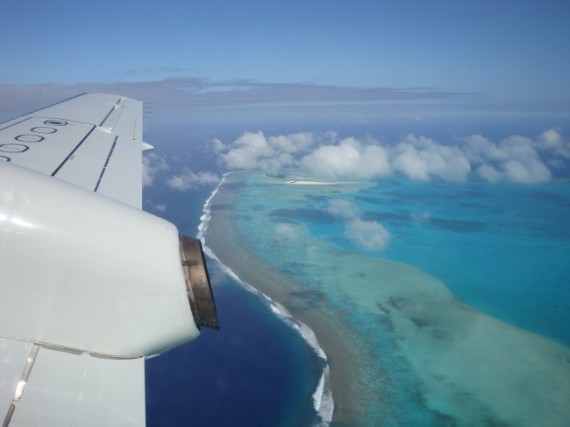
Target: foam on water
{"points": [[322, 397], [324, 403], [207, 212]]}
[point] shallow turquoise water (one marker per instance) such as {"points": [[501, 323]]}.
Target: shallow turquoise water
{"points": [[502, 248], [448, 313]]}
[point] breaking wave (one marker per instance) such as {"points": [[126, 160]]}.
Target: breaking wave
{"points": [[322, 397]]}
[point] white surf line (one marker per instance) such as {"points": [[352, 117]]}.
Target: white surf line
{"points": [[323, 401]]}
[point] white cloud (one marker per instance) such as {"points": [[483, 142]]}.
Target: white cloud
{"points": [[269, 154], [422, 159], [479, 149], [217, 145], [274, 153], [189, 179], [350, 159], [514, 159], [152, 163], [370, 235], [292, 143], [552, 141], [341, 208], [416, 157], [160, 207], [530, 171], [247, 150], [489, 173], [323, 155]]}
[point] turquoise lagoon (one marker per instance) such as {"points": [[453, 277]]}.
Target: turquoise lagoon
{"points": [[461, 319]]}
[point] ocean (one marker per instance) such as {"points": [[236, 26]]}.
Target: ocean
{"points": [[460, 320], [457, 317], [259, 369]]}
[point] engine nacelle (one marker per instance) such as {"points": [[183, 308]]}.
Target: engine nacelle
{"points": [[83, 272]]}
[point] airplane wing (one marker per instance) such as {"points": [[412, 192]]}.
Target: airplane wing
{"points": [[90, 285]]}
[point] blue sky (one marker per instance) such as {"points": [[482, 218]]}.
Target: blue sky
{"points": [[505, 52]]}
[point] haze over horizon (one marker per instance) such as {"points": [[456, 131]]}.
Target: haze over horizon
{"points": [[210, 56]]}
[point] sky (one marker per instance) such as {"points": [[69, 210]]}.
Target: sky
{"points": [[264, 52]]}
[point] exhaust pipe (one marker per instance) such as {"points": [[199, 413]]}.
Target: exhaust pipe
{"points": [[198, 285]]}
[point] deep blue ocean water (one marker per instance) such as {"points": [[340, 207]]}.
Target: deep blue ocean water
{"points": [[257, 370]]}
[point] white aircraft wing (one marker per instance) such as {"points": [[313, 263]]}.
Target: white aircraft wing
{"points": [[92, 140], [90, 285]]}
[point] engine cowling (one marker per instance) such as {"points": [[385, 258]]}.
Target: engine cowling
{"points": [[80, 271]]}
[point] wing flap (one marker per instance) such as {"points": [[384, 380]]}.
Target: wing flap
{"points": [[85, 166], [13, 359], [66, 389], [122, 173]]}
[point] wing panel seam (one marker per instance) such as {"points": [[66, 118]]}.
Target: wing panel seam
{"points": [[115, 105], [106, 163], [73, 151]]}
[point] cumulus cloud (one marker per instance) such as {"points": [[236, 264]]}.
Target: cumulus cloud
{"points": [[552, 141], [269, 154], [488, 173], [151, 166], [514, 159], [422, 159], [370, 235], [325, 155], [155, 165], [189, 179], [159, 207], [341, 208], [217, 145], [248, 152], [349, 159]]}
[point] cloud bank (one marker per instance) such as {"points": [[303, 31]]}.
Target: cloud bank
{"points": [[324, 155], [190, 92], [270, 154]]}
